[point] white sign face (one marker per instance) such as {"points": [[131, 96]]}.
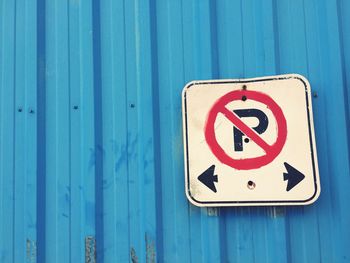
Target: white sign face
{"points": [[250, 142]]}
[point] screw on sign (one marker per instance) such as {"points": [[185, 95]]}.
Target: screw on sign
{"points": [[217, 175]]}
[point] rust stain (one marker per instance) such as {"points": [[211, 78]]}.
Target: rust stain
{"points": [[133, 256], [150, 250], [277, 211], [213, 211], [31, 250], [90, 249]]}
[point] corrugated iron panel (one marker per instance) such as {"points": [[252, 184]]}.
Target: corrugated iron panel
{"points": [[91, 159]]}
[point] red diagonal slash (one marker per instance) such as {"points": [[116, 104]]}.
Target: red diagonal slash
{"points": [[272, 151], [246, 130]]}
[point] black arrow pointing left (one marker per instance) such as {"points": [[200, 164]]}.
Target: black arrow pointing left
{"points": [[208, 178]]}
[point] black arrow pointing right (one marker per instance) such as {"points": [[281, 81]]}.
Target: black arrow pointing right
{"points": [[208, 178], [292, 176]]}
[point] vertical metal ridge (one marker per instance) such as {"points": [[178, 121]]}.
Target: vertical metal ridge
{"points": [[135, 72], [97, 153], [344, 11], [86, 92], [30, 72], [25, 111], [19, 130], [115, 184], [132, 138], [8, 131], [276, 35], [41, 129], [81, 132], [15, 139], [107, 123], [156, 131], [68, 190], [214, 39], [170, 81], [145, 129], [58, 132], [51, 222], [74, 123], [122, 195], [2, 252]]}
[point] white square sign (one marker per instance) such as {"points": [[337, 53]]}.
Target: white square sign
{"points": [[250, 142]]}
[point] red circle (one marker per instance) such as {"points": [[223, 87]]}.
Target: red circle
{"points": [[248, 163]]}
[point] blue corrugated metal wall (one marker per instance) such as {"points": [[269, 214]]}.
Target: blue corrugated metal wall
{"points": [[91, 135]]}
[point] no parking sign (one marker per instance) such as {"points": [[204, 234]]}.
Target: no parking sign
{"points": [[250, 142]]}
